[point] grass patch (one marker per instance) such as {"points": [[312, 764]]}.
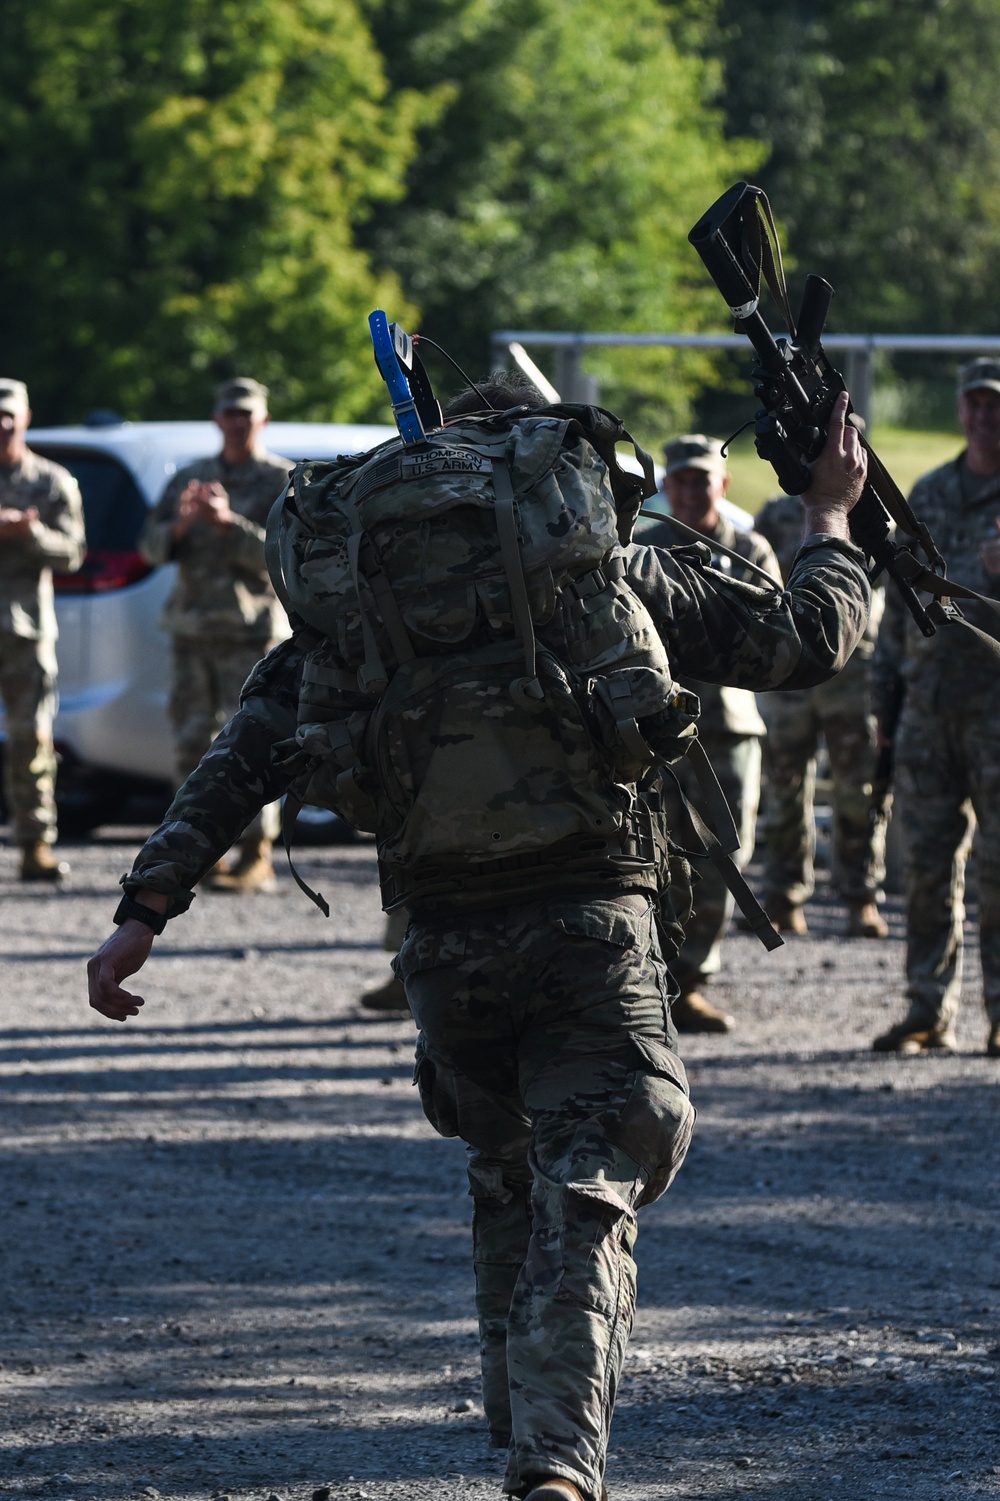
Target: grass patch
{"points": [[907, 454]]}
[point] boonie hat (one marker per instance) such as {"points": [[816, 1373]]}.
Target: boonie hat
{"points": [[979, 375], [694, 451], [241, 395], [13, 395]]}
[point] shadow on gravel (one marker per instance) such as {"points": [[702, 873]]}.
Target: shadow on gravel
{"points": [[255, 950], [109, 1040]]}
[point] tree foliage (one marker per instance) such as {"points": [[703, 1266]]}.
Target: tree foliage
{"points": [[182, 186], [885, 149], [578, 144]]}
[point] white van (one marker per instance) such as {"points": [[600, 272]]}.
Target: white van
{"points": [[112, 730]]}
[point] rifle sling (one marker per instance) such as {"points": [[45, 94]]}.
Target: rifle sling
{"points": [[696, 536], [708, 844], [762, 247]]}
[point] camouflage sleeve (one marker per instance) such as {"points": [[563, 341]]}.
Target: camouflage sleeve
{"points": [[720, 630], [245, 542], [232, 782], [156, 542], [58, 539]]}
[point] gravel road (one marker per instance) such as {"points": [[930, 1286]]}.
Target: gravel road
{"points": [[236, 1258]]}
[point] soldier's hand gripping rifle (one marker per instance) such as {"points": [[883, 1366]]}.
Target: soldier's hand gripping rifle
{"points": [[797, 386]]}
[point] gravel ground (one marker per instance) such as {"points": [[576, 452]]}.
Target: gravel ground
{"points": [[236, 1258]]}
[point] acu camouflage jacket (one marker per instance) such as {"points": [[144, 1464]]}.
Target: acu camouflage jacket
{"points": [[950, 670], [55, 544], [223, 587]]}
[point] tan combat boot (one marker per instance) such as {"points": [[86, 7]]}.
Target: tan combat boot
{"points": [[911, 1036], [38, 863], [864, 920], [253, 871], [693, 1013], [388, 997], [786, 917], [558, 1489]]}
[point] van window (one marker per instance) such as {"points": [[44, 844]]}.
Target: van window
{"points": [[113, 505]]}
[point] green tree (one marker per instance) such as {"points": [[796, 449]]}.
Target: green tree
{"points": [[182, 185], [578, 144], [884, 161]]}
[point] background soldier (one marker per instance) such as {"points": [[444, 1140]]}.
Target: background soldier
{"points": [[948, 740], [730, 727], [841, 711], [41, 530], [223, 615]]}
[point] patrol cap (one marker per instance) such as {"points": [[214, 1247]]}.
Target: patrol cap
{"points": [[694, 451], [241, 394], [979, 375], [13, 395]]}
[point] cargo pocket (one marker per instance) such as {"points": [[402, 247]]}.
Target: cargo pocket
{"points": [[624, 923], [655, 1123], [436, 1087]]}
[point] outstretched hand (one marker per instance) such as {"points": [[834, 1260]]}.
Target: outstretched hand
{"points": [[840, 471], [125, 952]]}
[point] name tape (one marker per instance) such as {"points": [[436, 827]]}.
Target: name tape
{"points": [[443, 461]]}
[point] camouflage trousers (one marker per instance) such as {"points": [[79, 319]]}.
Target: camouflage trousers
{"points": [[841, 712], [545, 1043], [736, 761], [206, 678], [28, 689], [947, 779]]}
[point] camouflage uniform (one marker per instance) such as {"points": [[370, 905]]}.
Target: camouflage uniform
{"points": [[841, 711], [730, 729], [545, 1038], [223, 615], [28, 635], [947, 752]]}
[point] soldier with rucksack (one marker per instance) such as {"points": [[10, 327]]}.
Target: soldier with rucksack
{"points": [[481, 673]]}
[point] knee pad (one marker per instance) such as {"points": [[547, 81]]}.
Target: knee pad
{"points": [[655, 1123]]}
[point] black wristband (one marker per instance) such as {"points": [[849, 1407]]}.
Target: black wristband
{"points": [[128, 908]]}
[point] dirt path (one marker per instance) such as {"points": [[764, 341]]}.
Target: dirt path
{"points": [[236, 1258]]}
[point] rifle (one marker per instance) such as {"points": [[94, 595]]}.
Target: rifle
{"points": [[797, 386]]}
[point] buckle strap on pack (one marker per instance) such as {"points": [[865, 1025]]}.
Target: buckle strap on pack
{"points": [[586, 585], [617, 693]]}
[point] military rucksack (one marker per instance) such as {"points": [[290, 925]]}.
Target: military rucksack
{"points": [[481, 679]]}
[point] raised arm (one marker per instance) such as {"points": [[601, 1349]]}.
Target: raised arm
{"points": [[719, 630]]}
